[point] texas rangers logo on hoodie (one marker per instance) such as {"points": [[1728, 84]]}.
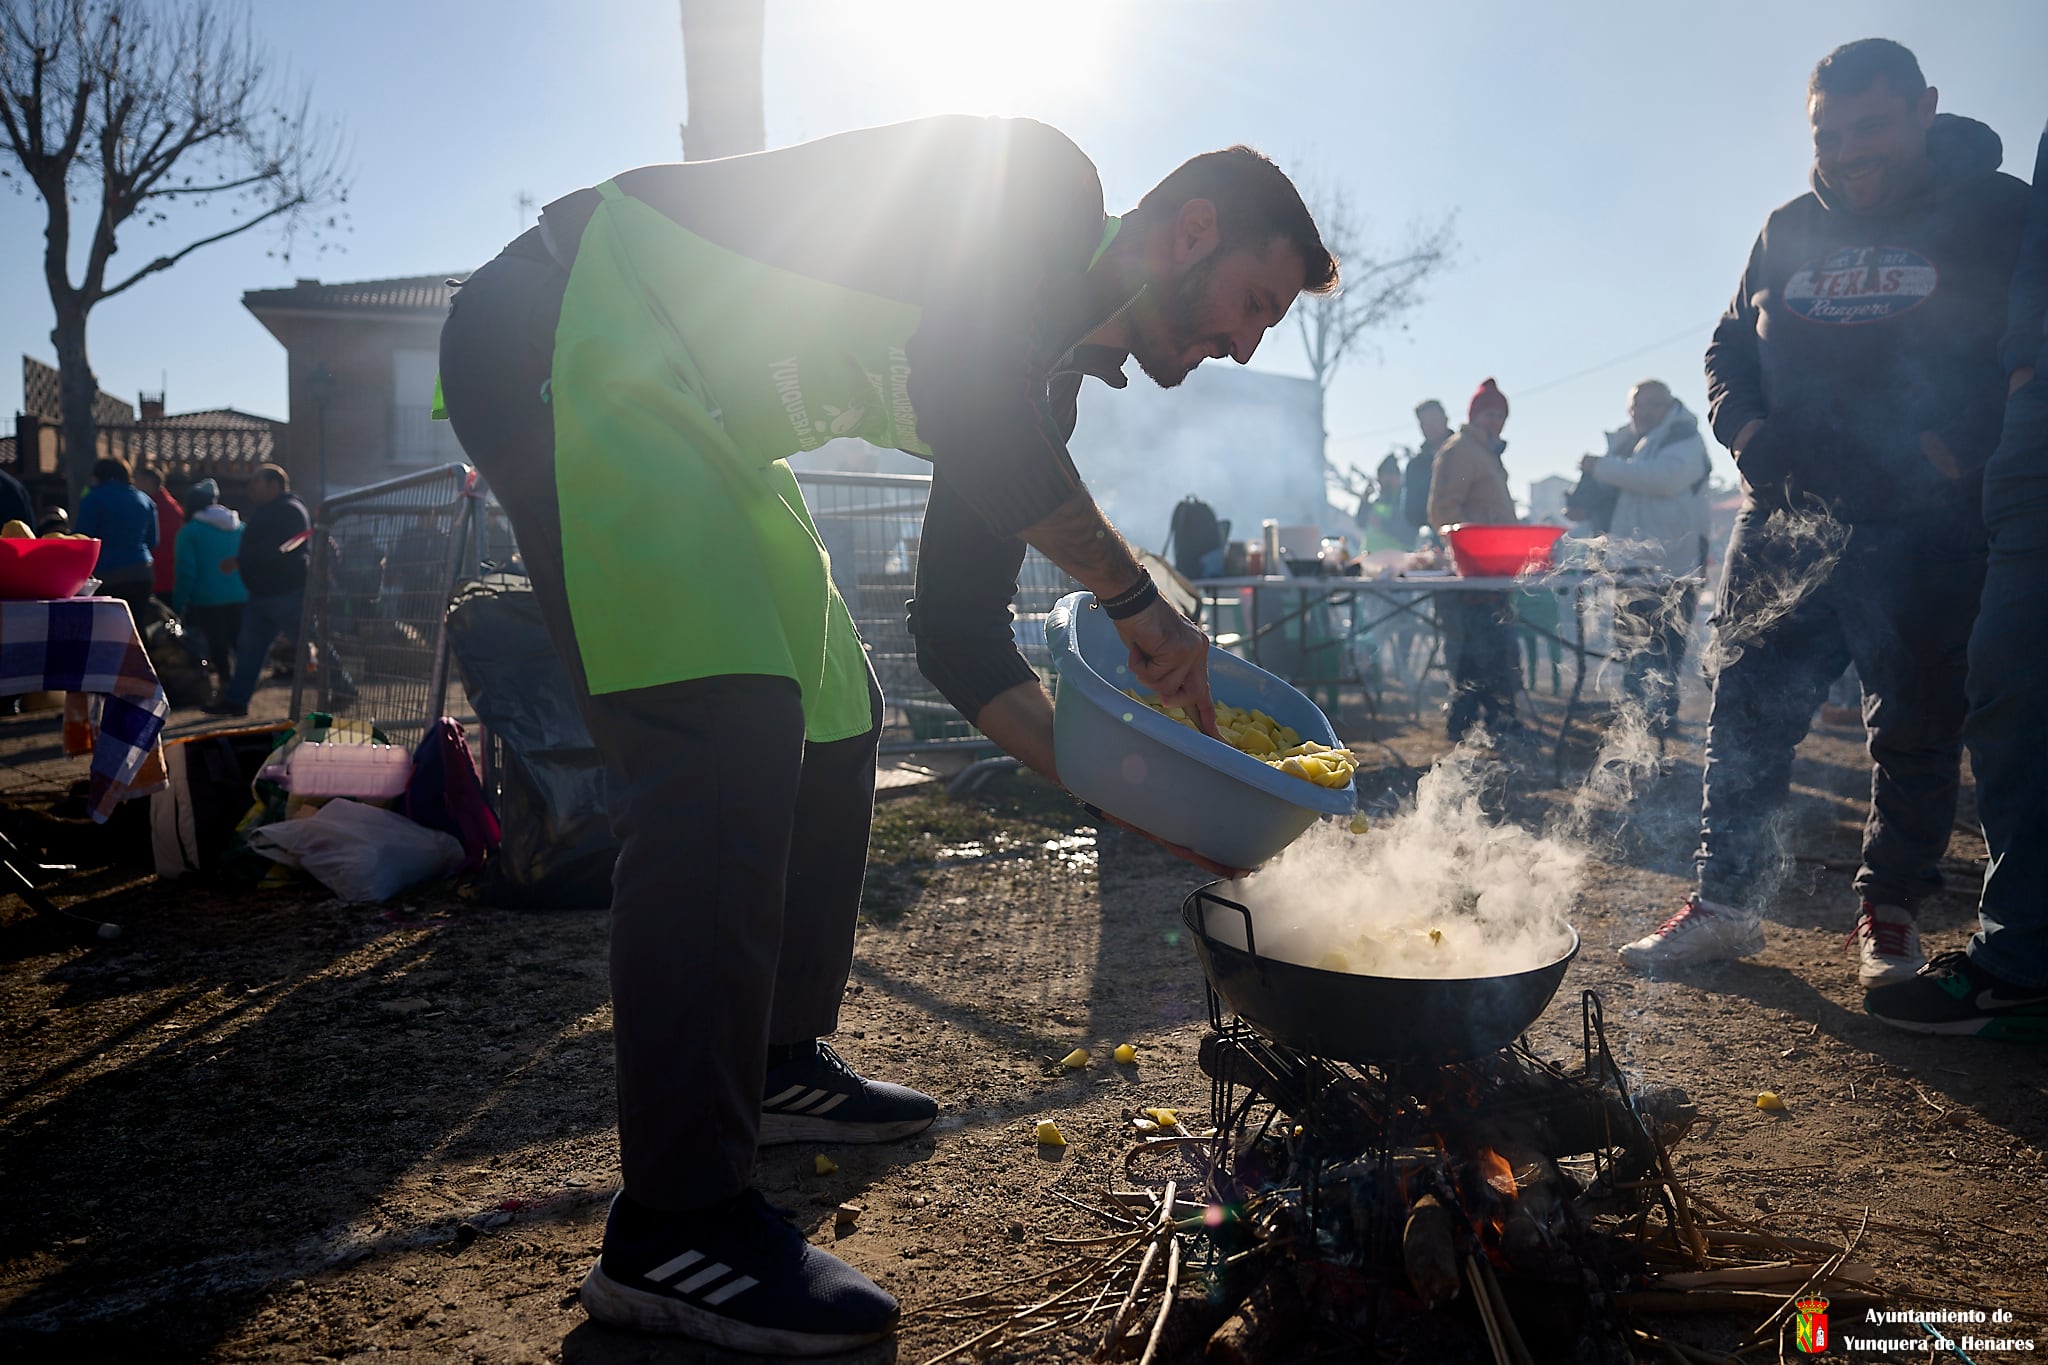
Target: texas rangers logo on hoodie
{"points": [[1861, 284]]}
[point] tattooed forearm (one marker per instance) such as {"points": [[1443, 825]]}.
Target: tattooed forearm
{"points": [[1079, 539]]}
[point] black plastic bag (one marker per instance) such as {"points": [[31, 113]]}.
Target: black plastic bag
{"points": [[557, 849], [179, 665]]}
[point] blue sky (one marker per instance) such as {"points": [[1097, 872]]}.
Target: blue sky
{"points": [[1609, 164]]}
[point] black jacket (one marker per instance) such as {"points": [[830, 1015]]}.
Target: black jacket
{"points": [[2026, 332], [15, 503], [1850, 336], [268, 569], [1415, 481]]}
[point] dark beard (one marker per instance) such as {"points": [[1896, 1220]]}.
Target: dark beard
{"points": [[1166, 329]]}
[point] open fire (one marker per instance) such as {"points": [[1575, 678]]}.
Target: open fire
{"points": [[1472, 1209], [1500, 1208]]}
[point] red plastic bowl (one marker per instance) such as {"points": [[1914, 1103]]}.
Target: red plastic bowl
{"points": [[1501, 551], [37, 570]]}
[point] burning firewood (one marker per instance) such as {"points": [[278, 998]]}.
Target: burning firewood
{"points": [[1501, 1333], [1329, 1188], [1429, 1253], [1260, 1330], [1771, 1275]]}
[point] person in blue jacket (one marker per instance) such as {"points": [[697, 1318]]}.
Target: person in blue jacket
{"points": [[123, 519], [209, 593]]}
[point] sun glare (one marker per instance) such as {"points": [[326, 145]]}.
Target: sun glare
{"points": [[976, 56]]}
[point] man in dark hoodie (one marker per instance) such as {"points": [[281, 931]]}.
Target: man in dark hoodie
{"points": [[1855, 376], [273, 568], [1997, 986]]}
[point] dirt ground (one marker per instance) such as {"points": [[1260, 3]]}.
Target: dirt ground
{"points": [[273, 1128]]}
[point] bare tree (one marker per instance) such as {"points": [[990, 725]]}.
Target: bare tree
{"points": [[1379, 289], [120, 112]]}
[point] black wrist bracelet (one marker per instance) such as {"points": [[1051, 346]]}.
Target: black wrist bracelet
{"points": [[1128, 594], [1126, 605]]}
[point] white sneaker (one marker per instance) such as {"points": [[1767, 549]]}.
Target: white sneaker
{"points": [[1887, 946], [1701, 931]]}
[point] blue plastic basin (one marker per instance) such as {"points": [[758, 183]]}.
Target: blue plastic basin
{"points": [[1163, 777]]}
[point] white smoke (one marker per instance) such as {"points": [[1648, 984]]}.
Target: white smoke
{"points": [[1791, 556], [1443, 890], [1438, 890]]}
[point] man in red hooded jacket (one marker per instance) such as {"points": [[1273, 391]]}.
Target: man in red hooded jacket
{"points": [[170, 519]]}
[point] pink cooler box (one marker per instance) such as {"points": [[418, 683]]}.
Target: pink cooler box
{"points": [[368, 772]]}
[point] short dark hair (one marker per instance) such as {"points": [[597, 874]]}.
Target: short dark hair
{"points": [[1854, 67], [275, 474], [151, 474], [1429, 404], [111, 470], [1255, 202]]}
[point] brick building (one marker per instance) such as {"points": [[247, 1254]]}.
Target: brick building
{"points": [[361, 359], [224, 444]]}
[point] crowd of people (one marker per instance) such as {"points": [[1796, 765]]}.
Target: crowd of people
{"points": [[1644, 501], [171, 544]]}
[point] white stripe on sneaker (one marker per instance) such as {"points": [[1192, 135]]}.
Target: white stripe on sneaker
{"points": [[811, 1098], [675, 1267], [829, 1105], [788, 1094], [739, 1286], [717, 1270]]}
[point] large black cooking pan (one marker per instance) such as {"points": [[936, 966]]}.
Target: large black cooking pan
{"points": [[1356, 1018]]}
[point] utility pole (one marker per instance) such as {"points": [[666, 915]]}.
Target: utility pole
{"points": [[722, 73]]}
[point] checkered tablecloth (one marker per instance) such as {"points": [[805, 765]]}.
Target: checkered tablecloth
{"points": [[88, 646]]}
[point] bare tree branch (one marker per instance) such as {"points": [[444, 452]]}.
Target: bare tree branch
{"points": [[175, 101], [1377, 288], [166, 262], [257, 178]]}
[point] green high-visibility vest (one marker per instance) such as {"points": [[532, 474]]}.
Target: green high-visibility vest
{"points": [[683, 374]]}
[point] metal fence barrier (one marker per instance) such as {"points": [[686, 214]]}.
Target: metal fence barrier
{"points": [[870, 524], [386, 559], [373, 634]]}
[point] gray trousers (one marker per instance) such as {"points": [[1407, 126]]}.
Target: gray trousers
{"points": [[742, 846]]}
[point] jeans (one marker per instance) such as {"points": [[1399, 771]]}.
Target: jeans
{"points": [[263, 620], [739, 875], [1801, 599], [2008, 724]]}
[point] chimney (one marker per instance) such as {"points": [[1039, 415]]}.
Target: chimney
{"points": [[151, 406]]}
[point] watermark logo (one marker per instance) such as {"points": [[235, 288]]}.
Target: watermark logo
{"points": [[1810, 1333], [1932, 1332]]}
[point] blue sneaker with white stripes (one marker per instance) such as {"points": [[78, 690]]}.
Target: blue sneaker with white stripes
{"points": [[819, 1098], [734, 1275]]}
